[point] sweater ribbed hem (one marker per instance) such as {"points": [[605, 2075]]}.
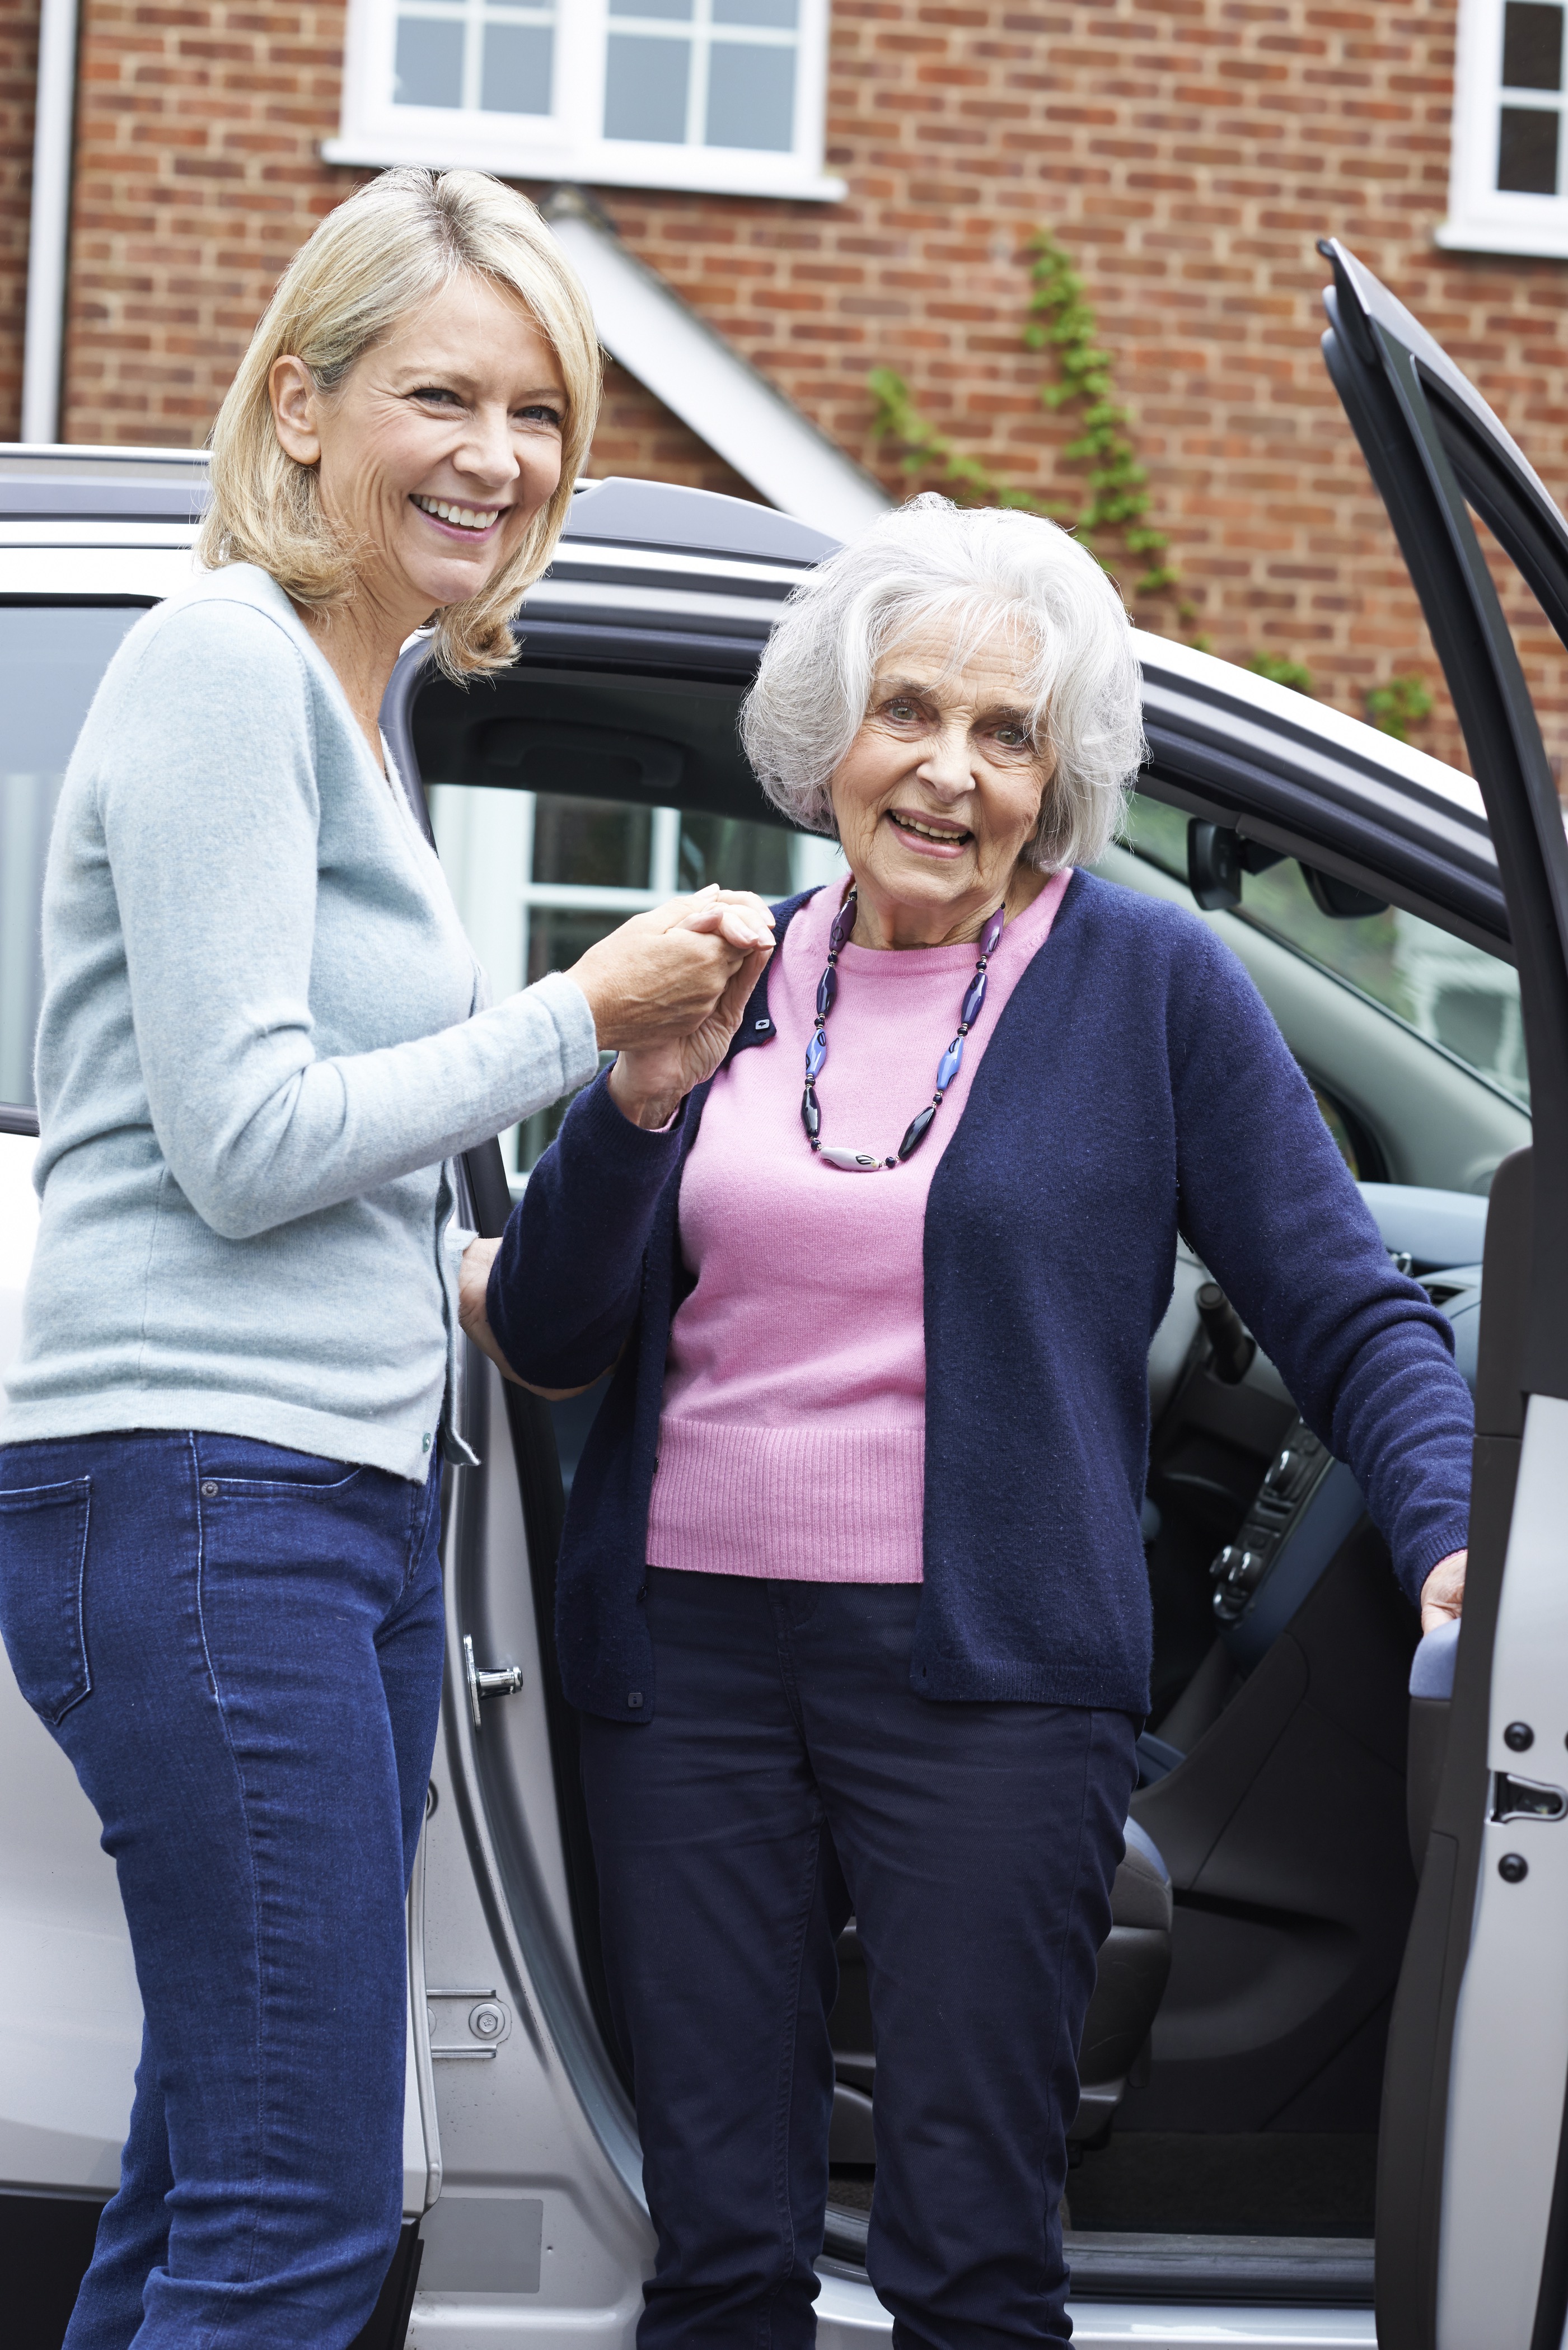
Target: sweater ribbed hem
{"points": [[389, 1443], [812, 1504]]}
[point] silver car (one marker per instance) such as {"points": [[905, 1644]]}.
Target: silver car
{"points": [[1324, 2071]]}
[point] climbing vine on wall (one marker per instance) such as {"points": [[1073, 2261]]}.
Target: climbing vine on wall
{"points": [[1062, 320]]}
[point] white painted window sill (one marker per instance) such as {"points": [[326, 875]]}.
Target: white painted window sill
{"points": [[703, 170], [1526, 240]]}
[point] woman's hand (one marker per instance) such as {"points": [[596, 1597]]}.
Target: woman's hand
{"points": [[1443, 1592], [663, 974], [473, 1287], [649, 1084]]}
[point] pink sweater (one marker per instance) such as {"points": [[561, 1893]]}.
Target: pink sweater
{"points": [[791, 1440]]}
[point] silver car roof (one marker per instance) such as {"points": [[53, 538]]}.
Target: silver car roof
{"points": [[696, 580]]}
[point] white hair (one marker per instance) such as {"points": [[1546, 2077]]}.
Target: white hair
{"points": [[978, 572]]}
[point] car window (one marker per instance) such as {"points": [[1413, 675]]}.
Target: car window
{"points": [[51, 658], [1450, 992], [539, 876]]}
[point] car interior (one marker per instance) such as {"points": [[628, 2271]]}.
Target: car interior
{"points": [[1232, 2057]]}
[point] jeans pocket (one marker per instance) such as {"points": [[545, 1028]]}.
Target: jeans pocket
{"points": [[251, 1472], [43, 1565]]}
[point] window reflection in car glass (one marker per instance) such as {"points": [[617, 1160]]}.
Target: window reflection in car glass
{"points": [[51, 658], [1449, 991], [538, 876]]}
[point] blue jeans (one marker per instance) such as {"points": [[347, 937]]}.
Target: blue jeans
{"points": [[790, 1775], [239, 1649]]}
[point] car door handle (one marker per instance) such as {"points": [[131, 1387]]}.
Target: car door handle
{"points": [[485, 1682]]}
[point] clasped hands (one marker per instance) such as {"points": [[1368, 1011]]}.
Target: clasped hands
{"points": [[667, 991]]}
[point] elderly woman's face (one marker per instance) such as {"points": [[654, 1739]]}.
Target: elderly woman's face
{"points": [[438, 447], [940, 793]]}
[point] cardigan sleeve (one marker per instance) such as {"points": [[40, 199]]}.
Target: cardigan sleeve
{"points": [[1268, 1204], [567, 1278], [207, 793]]}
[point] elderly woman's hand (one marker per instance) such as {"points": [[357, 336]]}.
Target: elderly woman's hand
{"points": [[649, 1083], [473, 1288], [1443, 1592], [663, 974]]}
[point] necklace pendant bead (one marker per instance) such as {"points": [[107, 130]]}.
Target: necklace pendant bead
{"points": [[810, 1115], [849, 1163], [815, 1053], [992, 932], [826, 989], [843, 923], [972, 1001], [915, 1133], [949, 1064]]}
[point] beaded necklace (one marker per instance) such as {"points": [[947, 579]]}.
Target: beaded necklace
{"points": [[868, 1162]]}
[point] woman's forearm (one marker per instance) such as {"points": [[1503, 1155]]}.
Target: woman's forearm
{"points": [[563, 1293]]}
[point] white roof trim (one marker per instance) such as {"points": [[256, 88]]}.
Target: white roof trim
{"points": [[645, 325]]}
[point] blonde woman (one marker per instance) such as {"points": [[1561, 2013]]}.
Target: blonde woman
{"points": [[260, 1041]]}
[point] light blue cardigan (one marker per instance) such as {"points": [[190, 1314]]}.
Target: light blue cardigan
{"points": [[258, 1044]]}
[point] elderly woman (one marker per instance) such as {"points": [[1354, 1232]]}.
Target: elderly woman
{"points": [[262, 1036], [852, 1591]]}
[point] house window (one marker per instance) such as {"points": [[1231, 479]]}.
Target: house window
{"points": [[1508, 187], [721, 95]]}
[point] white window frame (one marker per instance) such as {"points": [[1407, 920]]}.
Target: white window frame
{"points": [[566, 143], [1482, 217]]}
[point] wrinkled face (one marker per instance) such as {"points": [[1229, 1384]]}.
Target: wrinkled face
{"points": [[940, 792], [437, 448]]}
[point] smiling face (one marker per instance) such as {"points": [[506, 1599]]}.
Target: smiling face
{"points": [[940, 793], [436, 451]]}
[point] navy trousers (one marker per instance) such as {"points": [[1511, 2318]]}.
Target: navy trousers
{"points": [[239, 1649], [789, 1777]]}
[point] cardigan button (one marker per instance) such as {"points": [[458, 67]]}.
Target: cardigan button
{"points": [[634, 1699]]}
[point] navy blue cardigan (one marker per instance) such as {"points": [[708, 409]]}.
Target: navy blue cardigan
{"points": [[1135, 1083]]}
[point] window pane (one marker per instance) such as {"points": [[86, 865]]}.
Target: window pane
{"points": [[598, 844], [51, 659], [1531, 46], [676, 10], [516, 72], [751, 97], [737, 855], [1527, 151], [1450, 992], [645, 89], [428, 70], [756, 12]]}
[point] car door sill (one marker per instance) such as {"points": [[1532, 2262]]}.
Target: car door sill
{"points": [[1307, 2271]]}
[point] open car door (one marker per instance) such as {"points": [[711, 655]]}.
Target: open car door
{"points": [[1472, 2204]]}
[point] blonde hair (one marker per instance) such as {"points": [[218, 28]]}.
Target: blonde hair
{"points": [[392, 246]]}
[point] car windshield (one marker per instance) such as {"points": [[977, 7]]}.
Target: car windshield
{"points": [[1457, 997], [51, 658], [539, 876]]}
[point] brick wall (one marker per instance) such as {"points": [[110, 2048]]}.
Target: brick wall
{"points": [[196, 178], [638, 435], [19, 69], [1188, 152]]}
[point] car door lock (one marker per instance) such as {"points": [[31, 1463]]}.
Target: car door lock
{"points": [[483, 1681], [1526, 1799]]}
